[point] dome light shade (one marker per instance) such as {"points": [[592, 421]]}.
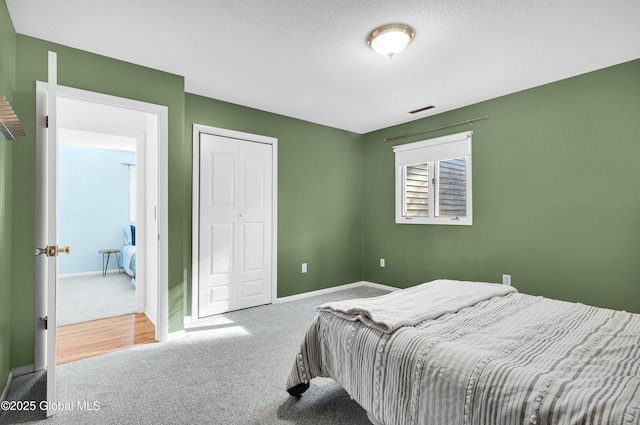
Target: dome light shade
{"points": [[389, 40]]}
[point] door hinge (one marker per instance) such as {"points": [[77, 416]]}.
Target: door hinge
{"points": [[45, 321], [46, 121]]}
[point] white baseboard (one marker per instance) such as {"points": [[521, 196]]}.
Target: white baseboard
{"points": [[14, 373], [379, 286], [5, 391], [177, 335], [23, 370], [334, 289], [151, 317], [188, 320], [89, 273]]}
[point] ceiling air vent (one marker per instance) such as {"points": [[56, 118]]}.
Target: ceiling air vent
{"points": [[415, 111]]}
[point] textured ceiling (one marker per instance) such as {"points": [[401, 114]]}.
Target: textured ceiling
{"points": [[309, 59]]}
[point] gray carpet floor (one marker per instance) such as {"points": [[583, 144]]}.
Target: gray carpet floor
{"points": [[228, 370], [84, 298]]}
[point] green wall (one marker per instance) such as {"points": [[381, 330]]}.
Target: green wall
{"points": [[96, 73], [7, 85], [556, 205], [319, 192], [320, 181], [555, 169]]}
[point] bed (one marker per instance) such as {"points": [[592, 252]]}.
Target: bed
{"points": [[128, 252], [454, 352]]}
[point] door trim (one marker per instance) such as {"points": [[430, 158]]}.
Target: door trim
{"points": [[162, 113], [199, 129]]}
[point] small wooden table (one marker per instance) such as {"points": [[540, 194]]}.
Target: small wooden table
{"points": [[106, 253]]}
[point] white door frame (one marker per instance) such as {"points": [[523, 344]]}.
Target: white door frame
{"points": [[162, 113], [195, 232]]}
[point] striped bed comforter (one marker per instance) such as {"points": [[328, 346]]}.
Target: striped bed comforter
{"points": [[507, 358]]}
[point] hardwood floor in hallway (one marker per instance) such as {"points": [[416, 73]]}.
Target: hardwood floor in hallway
{"points": [[87, 339]]}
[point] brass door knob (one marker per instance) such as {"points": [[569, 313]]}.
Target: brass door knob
{"points": [[51, 251]]}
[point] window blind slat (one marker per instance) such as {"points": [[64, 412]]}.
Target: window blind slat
{"points": [[417, 190], [452, 191]]}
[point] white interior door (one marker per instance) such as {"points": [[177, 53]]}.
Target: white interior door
{"points": [[235, 224], [46, 231]]}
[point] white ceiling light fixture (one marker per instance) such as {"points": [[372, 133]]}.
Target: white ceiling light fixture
{"points": [[391, 39]]}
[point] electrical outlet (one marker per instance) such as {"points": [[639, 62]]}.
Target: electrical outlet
{"points": [[304, 267], [382, 262], [506, 279]]}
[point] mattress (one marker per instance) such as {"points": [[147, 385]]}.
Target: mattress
{"points": [[440, 354], [129, 259]]}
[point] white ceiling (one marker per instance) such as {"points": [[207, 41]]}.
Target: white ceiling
{"points": [[309, 59], [90, 139], [99, 125]]}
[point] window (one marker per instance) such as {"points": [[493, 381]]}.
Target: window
{"points": [[433, 181]]}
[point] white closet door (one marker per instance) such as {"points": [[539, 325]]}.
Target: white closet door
{"points": [[235, 224]]}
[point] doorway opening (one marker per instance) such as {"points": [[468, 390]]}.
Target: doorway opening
{"points": [[114, 150], [97, 197], [97, 216]]}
